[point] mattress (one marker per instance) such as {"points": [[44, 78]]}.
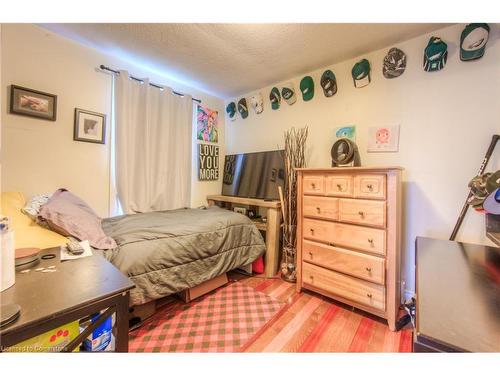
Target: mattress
{"points": [[169, 251]]}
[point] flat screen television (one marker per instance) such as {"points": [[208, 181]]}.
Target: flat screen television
{"points": [[254, 175]]}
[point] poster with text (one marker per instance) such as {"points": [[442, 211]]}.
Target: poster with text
{"points": [[208, 162], [383, 138], [207, 128]]}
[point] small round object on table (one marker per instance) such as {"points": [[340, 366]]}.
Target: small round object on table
{"points": [[10, 313], [27, 257]]}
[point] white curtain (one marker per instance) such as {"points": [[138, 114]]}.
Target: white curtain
{"points": [[152, 146]]}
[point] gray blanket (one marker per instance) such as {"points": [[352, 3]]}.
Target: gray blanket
{"points": [[168, 251]]}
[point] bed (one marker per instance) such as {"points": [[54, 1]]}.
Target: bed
{"points": [[162, 252], [169, 251]]}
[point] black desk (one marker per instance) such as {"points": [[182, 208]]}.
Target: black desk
{"points": [[77, 289], [458, 297]]}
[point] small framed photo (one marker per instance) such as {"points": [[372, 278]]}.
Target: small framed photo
{"points": [[89, 126], [33, 103]]}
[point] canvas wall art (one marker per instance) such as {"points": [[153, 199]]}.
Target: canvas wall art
{"points": [[208, 162], [348, 131], [383, 138], [207, 127]]}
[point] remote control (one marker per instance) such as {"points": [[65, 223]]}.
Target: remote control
{"points": [[74, 246]]}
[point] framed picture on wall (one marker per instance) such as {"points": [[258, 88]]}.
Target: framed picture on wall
{"points": [[207, 127], [33, 103], [383, 138], [89, 126]]}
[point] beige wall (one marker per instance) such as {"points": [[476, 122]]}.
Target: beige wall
{"points": [[447, 119], [40, 156]]}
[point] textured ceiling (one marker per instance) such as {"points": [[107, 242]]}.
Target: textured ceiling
{"points": [[227, 60]]}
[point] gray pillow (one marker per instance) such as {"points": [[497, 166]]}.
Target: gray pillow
{"points": [[68, 215]]}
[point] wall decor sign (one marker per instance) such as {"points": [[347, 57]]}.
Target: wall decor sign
{"points": [[89, 126], [33, 103], [207, 128], [383, 138], [208, 162]]}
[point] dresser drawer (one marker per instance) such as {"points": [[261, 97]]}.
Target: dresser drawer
{"points": [[367, 239], [364, 266], [363, 212], [370, 186], [348, 287], [350, 236], [318, 230], [313, 184], [339, 185], [321, 207]]}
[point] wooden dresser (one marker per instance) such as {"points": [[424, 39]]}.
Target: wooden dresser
{"points": [[348, 236]]}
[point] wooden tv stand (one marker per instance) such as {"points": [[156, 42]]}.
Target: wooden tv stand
{"points": [[271, 227]]}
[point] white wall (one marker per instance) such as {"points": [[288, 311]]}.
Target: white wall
{"points": [[41, 156], [447, 119]]}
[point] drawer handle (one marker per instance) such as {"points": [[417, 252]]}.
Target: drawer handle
{"points": [[370, 187], [362, 214], [318, 209], [310, 254], [311, 277], [339, 187], [312, 230], [370, 241], [368, 269], [313, 185], [369, 295]]}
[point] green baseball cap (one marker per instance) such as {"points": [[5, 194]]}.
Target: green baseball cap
{"points": [[275, 98], [243, 108], [329, 83], [435, 55], [473, 41], [307, 88], [231, 110], [361, 73]]}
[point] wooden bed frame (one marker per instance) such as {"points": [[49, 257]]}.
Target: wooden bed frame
{"points": [[147, 309]]}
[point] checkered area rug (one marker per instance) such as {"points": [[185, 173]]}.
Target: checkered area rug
{"points": [[220, 322]]}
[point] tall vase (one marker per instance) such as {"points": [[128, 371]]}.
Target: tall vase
{"points": [[288, 263], [294, 157]]}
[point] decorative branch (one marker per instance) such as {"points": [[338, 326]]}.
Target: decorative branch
{"points": [[294, 157]]}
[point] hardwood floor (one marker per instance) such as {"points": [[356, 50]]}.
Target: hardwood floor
{"points": [[313, 323]]}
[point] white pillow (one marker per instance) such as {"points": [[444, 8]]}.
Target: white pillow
{"points": [[34, 205]]}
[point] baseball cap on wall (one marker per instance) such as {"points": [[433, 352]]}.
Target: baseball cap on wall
{"points": [[231, 111], [243, 108], [275, 98], [307, 88], [328, 83], [288, 93], [361, 73], [257, 103], [435, 55], [473, 41], [394, 63]]}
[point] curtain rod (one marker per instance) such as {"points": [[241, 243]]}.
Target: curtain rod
{"points": [[104, 67]]}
